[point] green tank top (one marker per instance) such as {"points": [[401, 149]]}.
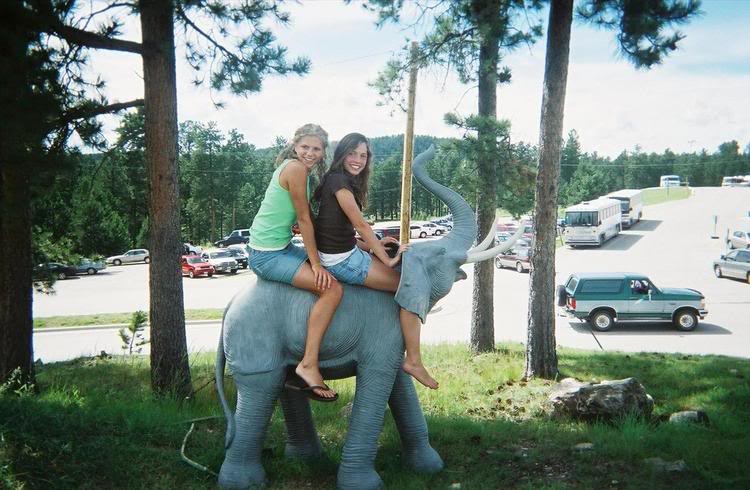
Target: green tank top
{"points": [[272, 226]]}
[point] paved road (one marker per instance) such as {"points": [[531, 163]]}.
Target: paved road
{"points": [[672, 245]]}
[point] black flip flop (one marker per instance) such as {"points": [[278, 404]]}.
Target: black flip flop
{"points": [[298, 384]]}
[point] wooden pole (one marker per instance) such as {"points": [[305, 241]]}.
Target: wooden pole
{"points": [[408, 150]]}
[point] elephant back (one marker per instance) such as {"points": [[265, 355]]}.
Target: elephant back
{"points": [[265, 327]]}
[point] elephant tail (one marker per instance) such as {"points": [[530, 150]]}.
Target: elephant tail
{"points": [[221, 362]]}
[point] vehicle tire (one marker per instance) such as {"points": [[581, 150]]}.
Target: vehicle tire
{"points": [[91, 271], [601, 320], [210, 274], [191, 274], [117, 262], [717, 271], [519, 267], [438, 232], [685, 320], [147, 260], [730, 245], [562, 295], [423, 234], [498, 264], [601, 240], [222, 245], [234, 271], [61, 275]]}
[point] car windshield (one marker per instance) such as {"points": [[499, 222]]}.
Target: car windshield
{"points": [[194, 260], [219, 255], [581, 218]]}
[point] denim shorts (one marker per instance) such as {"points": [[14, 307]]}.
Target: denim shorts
{"points": [[354, 269], [278, 265]]}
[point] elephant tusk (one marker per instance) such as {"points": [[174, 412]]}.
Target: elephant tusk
{"points": [[488, 254], [487, 240]]}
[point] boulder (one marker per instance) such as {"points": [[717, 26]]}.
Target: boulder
{"points": [[689, 417], [603, 401]]}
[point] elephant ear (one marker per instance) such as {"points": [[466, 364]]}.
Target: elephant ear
{"points": [[413, 292]]}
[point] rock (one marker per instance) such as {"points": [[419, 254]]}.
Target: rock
{"points": [[583, 447], [455, 485], [521, 452], [600, 401], [689, 417], [670, 467]]}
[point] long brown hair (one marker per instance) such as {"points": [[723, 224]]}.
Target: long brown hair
{"points": [[306, 130], [361, 181]]}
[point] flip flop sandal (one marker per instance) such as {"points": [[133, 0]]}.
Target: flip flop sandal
{"points": [[298, 384]]}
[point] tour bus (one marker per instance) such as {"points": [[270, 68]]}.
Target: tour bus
{"points": [[592, 222], [631, 203], [735, 181], [669, 181]]}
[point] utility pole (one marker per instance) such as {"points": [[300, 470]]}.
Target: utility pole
{"points": [[408, 149]]}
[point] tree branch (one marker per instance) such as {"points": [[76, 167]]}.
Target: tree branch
{"points": [[97, 110], [88, 39]]}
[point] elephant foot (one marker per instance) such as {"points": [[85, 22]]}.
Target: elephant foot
{"points": [[423, 460], [307, 452], [358, 478], [240, 476]]}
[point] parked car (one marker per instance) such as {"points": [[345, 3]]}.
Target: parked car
{"points": [[518, 257], [734, 264], [431, 229], [603, 298], [90, 267], [738, 239], [56, 269], [239, 255], [195, 266], [135, 255], [445, 223], [502, 236], [190, 249], [237, 236], [391, 231], [221, 260]]}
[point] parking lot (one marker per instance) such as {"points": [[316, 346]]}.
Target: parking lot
{"points": [[672, 245]]}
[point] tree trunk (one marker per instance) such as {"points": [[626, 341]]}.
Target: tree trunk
{"points": [[16, 339], [170, 371], [541, 356], [482, 312]]}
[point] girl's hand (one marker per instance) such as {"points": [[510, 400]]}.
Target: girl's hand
{"points": [[323, 278], [403, 248]]}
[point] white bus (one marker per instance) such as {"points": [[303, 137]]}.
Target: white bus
{"points": [[631, 203], [669, 181], [592, 222]]}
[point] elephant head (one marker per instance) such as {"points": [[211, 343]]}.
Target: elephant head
{"points": [[429, 269]]}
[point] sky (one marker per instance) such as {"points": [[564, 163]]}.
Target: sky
{"points": [[697, 99]]}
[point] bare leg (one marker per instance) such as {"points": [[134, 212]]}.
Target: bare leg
{"points": [[383, 278], [317, 324]]}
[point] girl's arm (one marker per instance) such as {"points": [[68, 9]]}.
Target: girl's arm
{"points": [[295, 176], [351, 210]]}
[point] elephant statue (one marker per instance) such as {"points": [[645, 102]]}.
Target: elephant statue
{"points": [[263, 338]]}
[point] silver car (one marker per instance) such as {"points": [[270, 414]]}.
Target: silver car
{"points": [[135, 255], [738, 239], [736, 264], [221, 260]]}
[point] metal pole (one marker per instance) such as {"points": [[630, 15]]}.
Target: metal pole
{"points": [[408, 149]]}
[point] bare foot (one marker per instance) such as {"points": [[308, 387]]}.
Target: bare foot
{"points": [[419, 372], [311, 375]]}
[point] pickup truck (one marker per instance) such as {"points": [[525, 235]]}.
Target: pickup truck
{"points": [[603, 298]]}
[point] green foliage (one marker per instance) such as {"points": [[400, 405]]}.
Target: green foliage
{"points": [[490, 427], [132, 337]]}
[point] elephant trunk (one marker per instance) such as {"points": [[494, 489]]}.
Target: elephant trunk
{"points": [[464, 229]]}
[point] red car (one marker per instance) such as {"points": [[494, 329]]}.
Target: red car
{"points": [[195, 266]]}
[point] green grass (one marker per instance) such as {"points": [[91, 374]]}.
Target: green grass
{"points": [[116, 318], [659, 195], [95, 424]]}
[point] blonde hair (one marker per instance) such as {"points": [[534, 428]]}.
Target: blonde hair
{"points": [[303, 131]]}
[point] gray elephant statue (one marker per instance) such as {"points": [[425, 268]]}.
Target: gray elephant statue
{"points": [[263, 338]]}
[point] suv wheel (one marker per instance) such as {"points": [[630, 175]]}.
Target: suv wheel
{"points": [[423, 234], [117, 262], [717, 271], [61, 275], [519, 267], [685, 320], [147, 260], [601, 320], [91, 271]]}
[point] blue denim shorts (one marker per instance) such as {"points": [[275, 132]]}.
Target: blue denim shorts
{"points": [[354, 269], [278, 265]]}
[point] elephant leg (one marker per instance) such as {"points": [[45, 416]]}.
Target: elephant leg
{"points": [[357, 468], [418, 454], [302, 439], [256, 397]]}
